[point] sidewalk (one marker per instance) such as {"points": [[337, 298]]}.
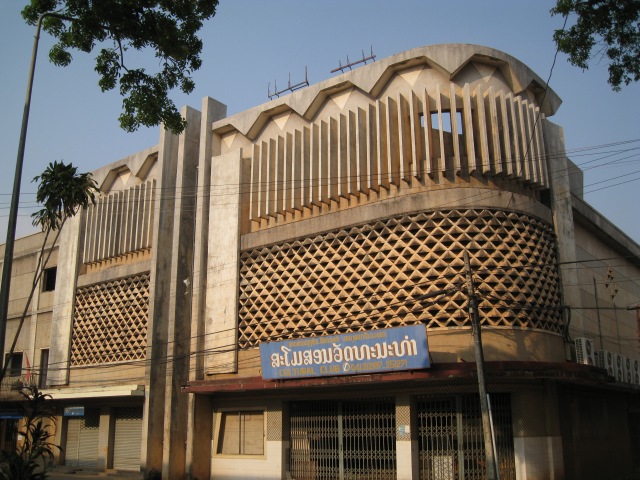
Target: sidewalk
{"points": [[66, 473]]}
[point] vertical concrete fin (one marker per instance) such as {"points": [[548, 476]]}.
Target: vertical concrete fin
{"points": [[430, 160], [417, 138], [485, 160], [362, 151], [374, 151], [455, 129], [511, 136], [497, 163], [473, 162], [393, 142], [443, 155]]}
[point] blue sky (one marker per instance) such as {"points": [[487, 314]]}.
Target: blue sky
{"points": [[249, 43]]}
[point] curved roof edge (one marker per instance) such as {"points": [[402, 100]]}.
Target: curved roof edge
{"points": [[448, 58]]}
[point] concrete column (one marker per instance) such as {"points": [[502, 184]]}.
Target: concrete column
{"points": [[212, 110], [537, 437], [562, 210], [170, 300], [159, 302], [221, 319], [179, 315], [199, 437], [64, 299], [199, 413], [405, 439], [105, 456]]}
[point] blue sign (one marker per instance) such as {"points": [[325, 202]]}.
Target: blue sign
{"points": [[73, 411], [11, 415], [386, 350]]}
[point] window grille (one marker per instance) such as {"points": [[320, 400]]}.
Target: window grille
{"points": [[339, 440], [451, 445]]}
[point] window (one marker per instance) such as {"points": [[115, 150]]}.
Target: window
{"points": [[49, 279], [14, 364], [241, 433], [44, 366]]}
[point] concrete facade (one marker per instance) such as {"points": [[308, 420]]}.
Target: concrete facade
{"points": [[343, 208]]}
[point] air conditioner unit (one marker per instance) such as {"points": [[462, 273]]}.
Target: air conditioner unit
{"points": [[584, 351], [628, 370], [635, 378], [619, 367], [606, 360]]}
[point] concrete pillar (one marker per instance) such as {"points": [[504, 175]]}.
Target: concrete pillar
{"points": [[105, 429], [221, 317], [199, 437], [159, 302], [406, 438], [212, 110], [537, 439], [179, 319], [170, 300], [64, 299], [559, 180], [200, 412]]}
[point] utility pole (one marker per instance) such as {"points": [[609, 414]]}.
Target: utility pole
{"points": [[13, 209], [487, 430]]}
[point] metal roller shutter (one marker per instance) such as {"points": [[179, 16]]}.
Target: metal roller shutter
{"points": [[81, 447], [127, 438]]}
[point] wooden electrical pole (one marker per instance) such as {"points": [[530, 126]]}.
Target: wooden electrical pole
{"points": [[492, 473]]}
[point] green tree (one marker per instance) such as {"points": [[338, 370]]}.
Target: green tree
{"points": [[167, 27], [62, 192], [603, 29], [35, 452]]}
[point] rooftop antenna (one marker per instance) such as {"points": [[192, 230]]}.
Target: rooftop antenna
{"points": [[349, 64], [289, 87]]}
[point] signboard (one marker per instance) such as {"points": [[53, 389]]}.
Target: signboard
{"points": [[74, 411], [386, 350], [11, 415]]}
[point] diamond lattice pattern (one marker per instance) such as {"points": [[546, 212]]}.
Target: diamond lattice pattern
{"points": [[110, 321], [369, 276]]}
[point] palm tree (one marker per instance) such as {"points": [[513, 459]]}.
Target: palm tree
{"points": [[62, 192]]}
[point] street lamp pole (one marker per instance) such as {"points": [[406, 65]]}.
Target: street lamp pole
{"points": [[13, 210]]}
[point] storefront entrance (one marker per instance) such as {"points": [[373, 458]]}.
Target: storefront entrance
{"points": [[343, 439], [81, 446], [451, 445]]}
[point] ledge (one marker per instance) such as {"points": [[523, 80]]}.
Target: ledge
{"points": [[450, 372], [105, 392]]}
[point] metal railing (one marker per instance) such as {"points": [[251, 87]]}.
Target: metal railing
{"points": [[17, 382]]}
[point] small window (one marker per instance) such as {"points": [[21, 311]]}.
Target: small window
{"points": [[44, 367], [14, 364], [49, 279], [241, 433]]}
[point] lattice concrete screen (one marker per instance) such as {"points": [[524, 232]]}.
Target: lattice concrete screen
{"points": [[110, 321], [368, 276]]}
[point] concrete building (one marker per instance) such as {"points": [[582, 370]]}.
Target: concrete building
{"points": [[282, 293]]}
